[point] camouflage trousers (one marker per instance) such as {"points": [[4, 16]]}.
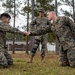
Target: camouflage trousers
{"points": [[5, 58], [37, 42], [67, 57]]}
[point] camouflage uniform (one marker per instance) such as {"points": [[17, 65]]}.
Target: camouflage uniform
{"points": [[64, 29], [35, 25], [5, 58]]}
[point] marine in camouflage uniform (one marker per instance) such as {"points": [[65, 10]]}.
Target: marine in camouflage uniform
{"points": [[5, 57], [38, 22], [64, 29]]}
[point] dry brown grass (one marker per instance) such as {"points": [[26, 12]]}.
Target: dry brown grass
{"points": [[49, 67]]}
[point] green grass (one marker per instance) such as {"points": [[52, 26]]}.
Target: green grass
{"points": [[49, 67]]}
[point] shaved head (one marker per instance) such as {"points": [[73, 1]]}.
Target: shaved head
{"points": [[50, 15]]}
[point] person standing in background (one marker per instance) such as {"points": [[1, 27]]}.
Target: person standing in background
{"points": [[37, 23]]}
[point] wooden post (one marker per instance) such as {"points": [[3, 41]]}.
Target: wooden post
{"points": [[14, 34], [32, 37], [27, 29], [73, 11], [57, 44]]}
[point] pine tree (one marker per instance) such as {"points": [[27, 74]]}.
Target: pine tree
{"points": [[68, 3]]}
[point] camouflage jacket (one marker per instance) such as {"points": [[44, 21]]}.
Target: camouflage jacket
{"points": [[38, 23], [6, 28], [64, 29]]}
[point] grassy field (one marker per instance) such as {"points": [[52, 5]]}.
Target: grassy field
{"points": [[49, 67]]}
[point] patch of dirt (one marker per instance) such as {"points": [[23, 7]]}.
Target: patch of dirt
{"points": [[24, 55]]}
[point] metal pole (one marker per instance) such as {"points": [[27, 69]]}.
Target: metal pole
{"points": [[32, 9], [57, 44], [14, 34], [73, 11], [32, 37], [56, 7], [27, 27]]}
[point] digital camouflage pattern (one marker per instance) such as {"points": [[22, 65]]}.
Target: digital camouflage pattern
{"points": [[7, 28], [41, 9], [35, 25], [5, 58], [64, 29]]}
